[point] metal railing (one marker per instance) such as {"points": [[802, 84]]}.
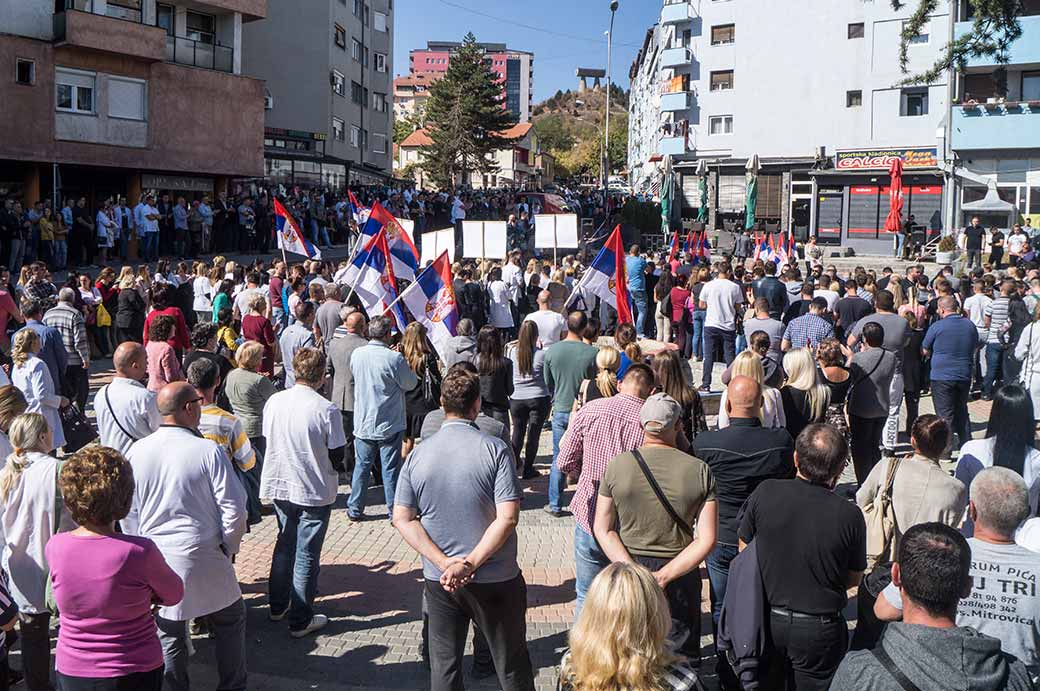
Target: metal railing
{"points": [[187, 51], [111, 10]]}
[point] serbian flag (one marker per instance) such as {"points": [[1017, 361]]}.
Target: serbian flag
{"points": [[371, 276], [358, 212], [431, 300], [780, 256], [762, 250], [675, 246], [606, 278], [695, 247], [687, 246], [705, 248], [290, 238], [402, 250]]}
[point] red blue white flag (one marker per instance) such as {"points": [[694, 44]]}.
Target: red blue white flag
{"points": [[290, 238], [606, 277], [371, 276], [431, 300], [402, 249]]}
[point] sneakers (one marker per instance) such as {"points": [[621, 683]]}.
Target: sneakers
{"points": [[555, 513], [318, 621]]}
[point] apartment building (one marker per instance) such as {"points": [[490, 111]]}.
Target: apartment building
{"points": [[327, 65], [410, 93], [100, 98]]}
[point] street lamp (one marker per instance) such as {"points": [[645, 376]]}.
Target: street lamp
{"points": [[606, 118]]}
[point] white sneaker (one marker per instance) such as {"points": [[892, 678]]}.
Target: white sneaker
{"points": [[318, 621]]}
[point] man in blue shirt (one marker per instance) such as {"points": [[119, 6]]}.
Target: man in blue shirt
{"points": [[951, 342], [635, 267]]}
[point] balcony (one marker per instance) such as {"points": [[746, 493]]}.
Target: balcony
{"points": [[1025, 50], [673, 146], [676, 12], [996, 126], [676, 101], [676, 57], [113, 30], [186, 51]]}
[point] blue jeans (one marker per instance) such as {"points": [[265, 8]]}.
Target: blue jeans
{"points": [[151, 247], [718, 575], [367, 451], [712, 336], [297, 560], [698, 333], [61, 253], [900, 240], [278, 319], [639, 302], [17, 255], [741, 344], [994, 366], [589, 560], [557, 480]]}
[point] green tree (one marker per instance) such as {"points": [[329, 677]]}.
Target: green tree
{"points": [[409, 123], [465, 115], [553, 133], [995, 26]]}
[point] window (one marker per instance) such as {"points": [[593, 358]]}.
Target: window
{"points": [[919, 39], [913, 102], [853, 99], [380, 62], [164, 17], [723, 34], [364, 138], [355, 49], [355, 93], [720, 124], [124, 9], [201, 27], [856, 30], [364, 18], [379, 21], [341, 37], [1031, 86], [722, 81], [75, 91], [339, 83], [379, 102], [357, 7], [25, 72], [127, 98], [355, 135], [364, 57], [338, 129], [379, 143]]}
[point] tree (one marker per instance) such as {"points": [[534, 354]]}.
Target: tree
{"points": [[409, 123], [995, 26], [465, 116], [553, 133]]}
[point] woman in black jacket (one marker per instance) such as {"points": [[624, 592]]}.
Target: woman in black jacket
{"points": [[496, 376], [129, 317]]}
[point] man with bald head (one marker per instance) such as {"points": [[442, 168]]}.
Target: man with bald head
{"points": [[125, 409], [951, 341], [551, 325], [740, 457], [188, 501], [339, 353]]}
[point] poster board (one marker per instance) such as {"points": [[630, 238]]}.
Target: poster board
{"points": [[484, 239], [435, 242], [552, 231], [409, 227]]}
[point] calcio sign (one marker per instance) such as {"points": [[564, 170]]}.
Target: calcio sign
{"points": [[881, 159]]}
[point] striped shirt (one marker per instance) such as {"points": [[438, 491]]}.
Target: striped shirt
{"points": [[72, 326], [227, 431], [997, 311], [8, 611]]}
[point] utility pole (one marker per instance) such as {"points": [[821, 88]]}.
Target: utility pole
{"points": [[606, 118]]}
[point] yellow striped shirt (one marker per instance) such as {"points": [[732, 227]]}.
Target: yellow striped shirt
{"points": [[225, 429]]}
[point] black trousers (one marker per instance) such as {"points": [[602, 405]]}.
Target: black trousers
{"points": [[866, 443], [123, 335], [684, 603], [805, 651], [499, 610], [349, 458], [951, 403], [36, 650], [77, 385], [913, 408], [139, 681], [528, 417]]}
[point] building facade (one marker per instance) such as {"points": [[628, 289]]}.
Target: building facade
{"points": [[410, 94], [824, 116], [106, 98], [327, 65], [515, 69], [646, 120], [521, 164]]}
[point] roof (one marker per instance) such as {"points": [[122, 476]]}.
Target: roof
{"points": [[422, 79], [517, 131], [421, 138]]}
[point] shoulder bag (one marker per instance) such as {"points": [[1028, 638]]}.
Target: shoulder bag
{"points": [[77, 427], [880, 518], [115, 419], [890, 666], [683, 525]]}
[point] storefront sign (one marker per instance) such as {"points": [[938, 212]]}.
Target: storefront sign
{"points": [[881, 159], [180, 183]]}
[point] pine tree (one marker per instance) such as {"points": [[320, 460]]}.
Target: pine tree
{"points": [[465, 115]]}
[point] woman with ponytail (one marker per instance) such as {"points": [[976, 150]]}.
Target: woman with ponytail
{"points": [[605, 384], [625, 339], [28, 501]]}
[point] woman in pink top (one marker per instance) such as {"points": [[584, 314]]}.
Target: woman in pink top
{"points": [[105, 583], [163, 366]]}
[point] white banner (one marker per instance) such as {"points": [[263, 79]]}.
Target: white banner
{"points": [[435, 242], [484, 239], [555, 230], [409, 227]]}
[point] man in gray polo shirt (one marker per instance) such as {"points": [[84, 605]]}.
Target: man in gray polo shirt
{"points": [[463, 484]]}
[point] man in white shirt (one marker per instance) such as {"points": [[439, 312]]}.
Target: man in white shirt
{"points": [[148, 228], [188, 501], [720, 298], [240, 307], [975, 307], [458, 209], [304, 433], [513, 277], [552, 327], [125, 410]]}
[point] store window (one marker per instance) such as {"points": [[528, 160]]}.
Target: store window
{"points": [[722, 80], [853, 99], [74, 91]]}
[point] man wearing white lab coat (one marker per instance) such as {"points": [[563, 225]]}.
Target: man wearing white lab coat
{"points": [[189, 503]]}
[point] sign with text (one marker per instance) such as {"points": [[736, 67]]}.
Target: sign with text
{"points": [[178, 183], [484, 239], [881, 159]]}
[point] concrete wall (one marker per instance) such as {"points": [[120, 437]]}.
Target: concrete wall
{"points": [[97, 32], [30, 18]]}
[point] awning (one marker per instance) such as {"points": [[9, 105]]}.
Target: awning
{"points": [[832, 173], [991, 203]]}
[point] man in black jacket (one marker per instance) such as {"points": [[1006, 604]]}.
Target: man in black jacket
{"points": [[770, 288]]}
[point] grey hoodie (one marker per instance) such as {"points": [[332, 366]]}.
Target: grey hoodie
{"points": [[956, 659], [459, 349]]}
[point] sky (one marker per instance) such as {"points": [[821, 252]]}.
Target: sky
{"points": [[562, 34]]}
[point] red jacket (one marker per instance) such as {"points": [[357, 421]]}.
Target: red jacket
{"points": [[181, 339]]}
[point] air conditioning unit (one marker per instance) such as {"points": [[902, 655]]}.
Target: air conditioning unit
{"points": [[268, 102]]}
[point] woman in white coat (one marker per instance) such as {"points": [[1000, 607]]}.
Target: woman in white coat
{"points": [[30, 513], [1027, 351], [31, 376]]}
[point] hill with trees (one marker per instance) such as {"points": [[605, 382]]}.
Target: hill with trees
{"points": [[570, 126]]}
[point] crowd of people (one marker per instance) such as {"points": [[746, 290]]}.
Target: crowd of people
{"points": [[815, 477]]}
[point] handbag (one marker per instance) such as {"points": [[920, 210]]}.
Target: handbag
{"points": [[104, 318], [880, 518], [78, 429]]}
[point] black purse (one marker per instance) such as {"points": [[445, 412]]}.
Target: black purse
{"points": [[77, 428]]}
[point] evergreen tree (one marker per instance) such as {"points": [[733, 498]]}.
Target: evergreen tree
{"points": [[465, 115]]}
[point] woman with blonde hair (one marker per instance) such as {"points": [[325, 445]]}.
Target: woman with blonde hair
{"points": [[247, 390], [668, 369], [257, 327], [557, 291], [31, 375], [805, 396], [426, 396], [749, 364], [620, 640], [625, 340], [898, 294], [28, 501], [12, 404], [605, 384], [202, 289]]}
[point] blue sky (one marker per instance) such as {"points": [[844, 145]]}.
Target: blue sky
{"points": [[562, 34]]}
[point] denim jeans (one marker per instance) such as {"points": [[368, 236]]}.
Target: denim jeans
{"points": [[367, 451], [278, 319], [229, 631], [900, 241], [639, 302], [297, 560], [974, 259], [557, 480], [994, 367], [951, 404], [589, 560], [151, 247], [712, 336], [698, 333], [17, 255], [61, 253]]}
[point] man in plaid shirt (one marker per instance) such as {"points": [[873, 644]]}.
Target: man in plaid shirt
{"points": [[809, 329], [599, 432], [69, 322]]}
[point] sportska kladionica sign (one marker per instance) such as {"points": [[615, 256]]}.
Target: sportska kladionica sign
{"points": [[881, 159]]}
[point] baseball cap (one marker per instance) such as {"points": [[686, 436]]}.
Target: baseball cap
{"points": [[658, 413]]}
